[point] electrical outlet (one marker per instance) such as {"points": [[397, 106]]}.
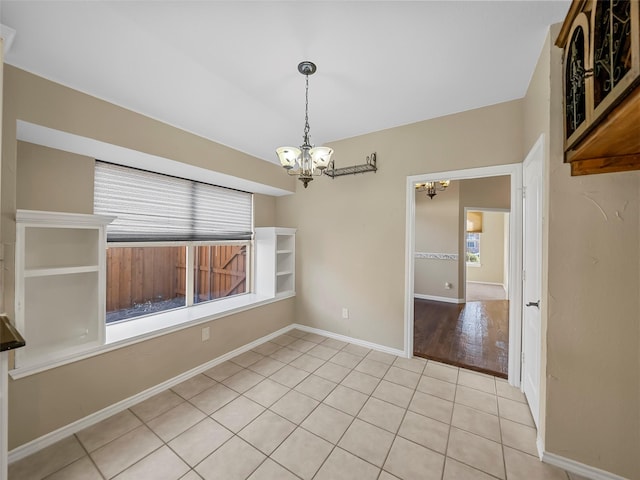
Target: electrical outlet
{"points": [[345, 312], [206, 334]]}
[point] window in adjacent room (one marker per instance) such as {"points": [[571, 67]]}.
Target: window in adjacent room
{"points": [[473, 248], [175, 243], [474, 229]]}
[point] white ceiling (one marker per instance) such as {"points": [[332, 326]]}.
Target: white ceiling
{"points": [[228, 70]]}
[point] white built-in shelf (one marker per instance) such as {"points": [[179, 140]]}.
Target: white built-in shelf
{"points": [[275, 261], [60, 284], [46, 272]]}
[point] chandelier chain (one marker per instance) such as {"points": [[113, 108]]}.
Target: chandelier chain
{"points": [[306, 112]]}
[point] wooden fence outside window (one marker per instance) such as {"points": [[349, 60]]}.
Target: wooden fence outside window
{"points": [[139, 275]]}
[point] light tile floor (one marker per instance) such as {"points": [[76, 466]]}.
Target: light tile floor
{"points": [[304, 406]]}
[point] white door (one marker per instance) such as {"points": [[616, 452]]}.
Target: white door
{"points": [[532, 276], [4, 360]]}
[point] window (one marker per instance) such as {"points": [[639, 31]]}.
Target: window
{"points": [[175, 242], [473, 248], [220, 271]]}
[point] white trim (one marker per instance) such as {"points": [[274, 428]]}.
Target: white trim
{"points": [[539, 440], [89, 147], [579, 468], [4, 416], [438, 299], [495, 284], [50, 219], [409, 265], [183, 318], [52, 437], [7, 34], [514, 170], [437, 256], [355, 341]]}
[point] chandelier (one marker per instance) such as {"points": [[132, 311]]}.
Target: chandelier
{"points": [[305, 161], [432, 187]]}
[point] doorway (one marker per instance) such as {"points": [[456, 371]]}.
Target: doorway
{"points": [[461, 312], [514, 172], [486, 240]]}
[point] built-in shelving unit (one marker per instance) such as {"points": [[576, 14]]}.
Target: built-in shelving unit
{"points": [[275, 261], [60, 284]]}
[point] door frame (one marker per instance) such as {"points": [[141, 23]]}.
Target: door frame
{"points": [[514, 171]]}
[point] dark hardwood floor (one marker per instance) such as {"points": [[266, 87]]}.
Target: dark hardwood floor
{"points": [[474, 335]]}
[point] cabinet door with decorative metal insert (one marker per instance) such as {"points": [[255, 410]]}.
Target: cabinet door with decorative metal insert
{"points": [[577, 85], [615, 46]]}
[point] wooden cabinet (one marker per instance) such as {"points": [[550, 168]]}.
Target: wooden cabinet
{"points": [[275, 261], [60, 284], [601, 79]]}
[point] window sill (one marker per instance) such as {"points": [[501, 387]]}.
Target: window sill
{"points": [[134, 331], [162, 323], [474, 264]]}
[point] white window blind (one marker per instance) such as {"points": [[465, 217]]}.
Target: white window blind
{"points": [[154, 207]]}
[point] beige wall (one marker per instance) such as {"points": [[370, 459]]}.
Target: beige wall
{"points": [[42, 178], [591, 311], [492, 245], [53, 180], [264, 211], [351, 230], [436, 231], [2, 265]]}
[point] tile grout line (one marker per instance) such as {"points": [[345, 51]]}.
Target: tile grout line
{"points": [[504, 458], [446, 450], [241, 394], [400, 425], [334, 445], [299, 425], [89, 454]]}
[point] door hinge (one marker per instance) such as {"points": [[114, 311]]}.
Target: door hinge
{"points": [[524, 275], [524, 192], [522, 359]]}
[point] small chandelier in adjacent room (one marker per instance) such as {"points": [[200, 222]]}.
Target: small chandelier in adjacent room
{"points": [[432, 187], [305, 161]]}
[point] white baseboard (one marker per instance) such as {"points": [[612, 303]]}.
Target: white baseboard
{"points": [[495, 284], [578, 468], [572, 466], [438, 299], [52, 437], [355, 341], [63, 432], [540, 445]]}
